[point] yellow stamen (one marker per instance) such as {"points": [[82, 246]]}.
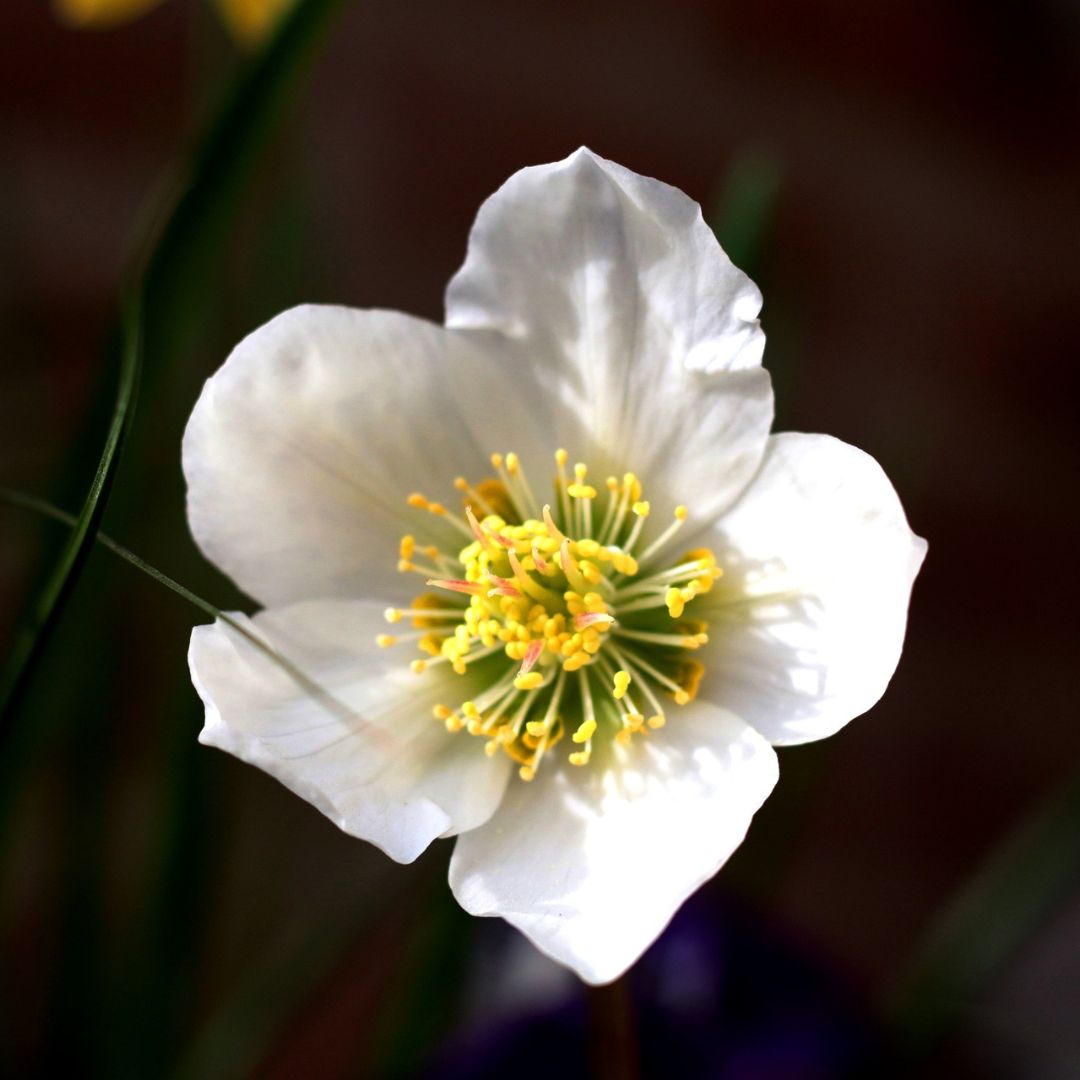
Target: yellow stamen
{"points": [[545, 603], [622, 681], [585, 731]]}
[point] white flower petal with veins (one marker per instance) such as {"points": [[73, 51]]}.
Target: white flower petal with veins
{"points": [[595, 315], [386, 773], [301, 447], [633, 319], [616, 851], [807, 624]]}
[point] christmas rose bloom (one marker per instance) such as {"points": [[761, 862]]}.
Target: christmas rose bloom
{"points": [[560, 588]]}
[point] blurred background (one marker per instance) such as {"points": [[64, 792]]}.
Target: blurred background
{"points": [[902, 180]]}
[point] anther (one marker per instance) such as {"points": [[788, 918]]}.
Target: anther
{"points": [[675, 602], [585, 731]]}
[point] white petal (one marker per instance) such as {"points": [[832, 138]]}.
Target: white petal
{"points": [[634, 319], [807, 623], [386, 771], [303, 448], [590, 865]]}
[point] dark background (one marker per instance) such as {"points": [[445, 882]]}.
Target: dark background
{"points": [[911, 172]]}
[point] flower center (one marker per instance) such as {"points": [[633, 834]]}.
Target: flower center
{"points": [[555, 619]]}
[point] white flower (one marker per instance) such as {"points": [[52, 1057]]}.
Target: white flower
{"points": [[699, 591]]}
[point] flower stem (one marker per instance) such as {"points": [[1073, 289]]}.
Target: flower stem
{"points": [[31, 502], [612, 1046], [61, 579]]}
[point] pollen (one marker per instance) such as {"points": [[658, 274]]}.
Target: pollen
{"points": [[569, 619], [532, 680]]}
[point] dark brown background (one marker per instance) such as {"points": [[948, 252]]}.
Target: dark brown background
{"points": [[922, 290]]}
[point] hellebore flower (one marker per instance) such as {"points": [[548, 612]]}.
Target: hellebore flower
{"points": [[567, 588]]}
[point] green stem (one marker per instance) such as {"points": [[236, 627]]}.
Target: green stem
{"points": [[43, 614], [306, 683], [198, 200]]}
